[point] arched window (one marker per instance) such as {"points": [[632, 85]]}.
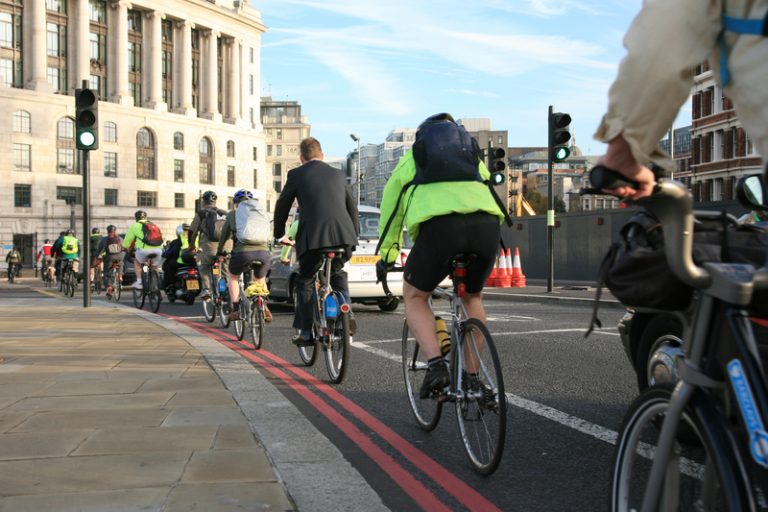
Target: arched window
{"points": [[230, 149], [65, 145], [178, 141], [110, 132], [145, 155], [206, 161], [22, 121]]}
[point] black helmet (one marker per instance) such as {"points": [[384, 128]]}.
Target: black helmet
{"points": [[95, 231], [210, 196], [139, 215], [111, 228], [437, 118], [47, 241], [71, 232]]}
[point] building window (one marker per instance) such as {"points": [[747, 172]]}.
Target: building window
{"points": [[178, 200], [277, 170], [56, 46], [134, 56], [22, 154], [110, 164], [145, 155], [6, 30], [178, 171], [11, 44], [255, 153], [278, 187], [230, 175], [22, 122], [255, 179], [70, 195], [269, 149], [110, 132], [6, 73], [279, 150], [65, 146], [146, 198], [196, 69], [110, 197], [251, 54], [279, 135], [178, 141], [230, 149], [22, 196], [167, 61], [206, 161], [59, 6], [97, 11], [57, 40], [250, 84], [252, 115]]}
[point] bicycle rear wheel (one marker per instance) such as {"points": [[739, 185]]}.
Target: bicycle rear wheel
{"points": [[153, 290], [337, 350], [72, 283], [139, 296], [481, 408], [117, 286], [256, 323], [239, 325], [699, 476], [426, 411], [98, 281]]}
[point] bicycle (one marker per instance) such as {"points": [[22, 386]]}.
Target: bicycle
{"points": [[701, 446], [252, 312], [217, 304], [331, 322], [12, 272], [98, 277], [476, 379], [46, 275], [151, 285], [115, 280], [68, 283]]}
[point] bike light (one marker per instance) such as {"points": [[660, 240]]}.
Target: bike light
{"points": [[345, 308], [403, 257]]}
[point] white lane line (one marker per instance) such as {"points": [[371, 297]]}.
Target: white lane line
{"points": [[510, 333], [565, 419]]}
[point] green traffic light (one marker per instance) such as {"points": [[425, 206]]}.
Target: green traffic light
{"points": [[497, 178], [86, 139], [561, 154]]}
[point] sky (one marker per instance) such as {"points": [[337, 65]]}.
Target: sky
{"points": [[370, 66]]}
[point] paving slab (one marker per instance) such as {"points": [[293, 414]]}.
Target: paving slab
{"points": [[247, 465], [236, 497], [124, 500], [151, 439]]}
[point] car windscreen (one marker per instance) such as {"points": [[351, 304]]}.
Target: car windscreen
{"points": [[369, 225]]}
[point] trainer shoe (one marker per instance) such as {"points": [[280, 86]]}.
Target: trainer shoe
{"points": [[303, 340], [234, 314], [267, 314], [137, 285], [205, 294], [435, 381]]}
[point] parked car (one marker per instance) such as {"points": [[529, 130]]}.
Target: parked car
{"points": [[361, 269]]}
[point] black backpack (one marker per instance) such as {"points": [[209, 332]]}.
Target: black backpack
{"points": [[444, 151], [213, 222]]}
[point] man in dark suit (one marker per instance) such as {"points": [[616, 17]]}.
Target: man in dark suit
{"points": [[329, 218]]}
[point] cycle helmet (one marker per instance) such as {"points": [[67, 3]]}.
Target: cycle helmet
{"points": [[47, 241], [179, 229], [210, 196], [437, 118], [111, 228], [95, 231], [71, 232], [139, 215], [242, 195]]}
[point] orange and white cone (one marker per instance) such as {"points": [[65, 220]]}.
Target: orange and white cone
{"points": [[505, 280], [518, 278], [493, 278]]}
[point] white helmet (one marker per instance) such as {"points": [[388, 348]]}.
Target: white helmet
{"points": [[179, 229]]}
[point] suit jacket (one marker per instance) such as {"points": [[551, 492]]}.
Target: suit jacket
{"points": [[329, 215]]}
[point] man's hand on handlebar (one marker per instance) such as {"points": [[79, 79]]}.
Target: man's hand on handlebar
{"points": [[619, 157], [382, 268]]}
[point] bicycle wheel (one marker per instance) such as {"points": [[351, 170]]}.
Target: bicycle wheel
{"points": [[481, 409], [308, 354], [426, 411], [98, 281], [244, 317], [139, 296], [699, 475], [337, 350], [117, 286], [64, 283], [224, 308], [256, 323], [72, 283], [153, 290], [209, 309]]}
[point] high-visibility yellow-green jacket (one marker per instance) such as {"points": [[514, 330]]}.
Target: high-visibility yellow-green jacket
{"points": [[184, 246], [422, 202]]}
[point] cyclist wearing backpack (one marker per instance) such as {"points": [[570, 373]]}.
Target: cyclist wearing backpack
{"points": [[111, 249], [444, 218], [95, 242], [329, 219], [248, 225], [70, 249], [146, 239], [204, 234], [665, 42]]}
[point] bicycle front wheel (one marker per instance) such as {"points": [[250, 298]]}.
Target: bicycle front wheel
{"points": [[71, 283], [481, 407], [117, 286], [224, 309], [256, 323], [153, 290], [698, 475], [138, 297], [308, 354], [337, 350], [244, 315], [426, 411]]}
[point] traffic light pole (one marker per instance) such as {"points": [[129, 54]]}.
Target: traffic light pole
{"points": [[85, 266], [550, 209]]}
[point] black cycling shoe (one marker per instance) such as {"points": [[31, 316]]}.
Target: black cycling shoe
{"points": [[300, 341], [435, 381]]}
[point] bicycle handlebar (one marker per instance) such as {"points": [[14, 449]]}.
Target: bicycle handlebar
{"points": [[383, 279]]}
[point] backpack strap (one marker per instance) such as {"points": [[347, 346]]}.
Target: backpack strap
{"points": [[392, 217], [499, 203], [746, 26], [608, 260]]}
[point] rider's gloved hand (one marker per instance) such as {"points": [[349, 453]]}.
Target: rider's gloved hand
{"points": [[382, 268]]}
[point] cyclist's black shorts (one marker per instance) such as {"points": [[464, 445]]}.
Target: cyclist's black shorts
{"points": [[241, 261], [441, 238]]}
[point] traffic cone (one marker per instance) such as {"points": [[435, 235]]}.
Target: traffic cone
{"points": [[493, 278], [518, 278], [505, 279]]}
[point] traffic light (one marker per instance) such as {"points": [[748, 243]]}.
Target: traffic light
{"points": [[497, 165], [559, 136], [86, 119]]}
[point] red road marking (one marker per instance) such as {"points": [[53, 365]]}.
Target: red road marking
{"points": [[456, 487]]}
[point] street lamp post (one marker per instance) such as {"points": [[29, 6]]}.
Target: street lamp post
{"points": [[359, 170]]}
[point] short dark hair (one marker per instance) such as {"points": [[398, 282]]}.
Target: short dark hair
{"points": [[310, 149]]}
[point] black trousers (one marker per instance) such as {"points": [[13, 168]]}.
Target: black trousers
{"points": [[309, 264]]}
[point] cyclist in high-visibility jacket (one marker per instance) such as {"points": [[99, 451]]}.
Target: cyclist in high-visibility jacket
{"points": [[70, 249]]}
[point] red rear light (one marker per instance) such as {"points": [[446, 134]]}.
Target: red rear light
{"points": [[192, 272], [403, 257]]}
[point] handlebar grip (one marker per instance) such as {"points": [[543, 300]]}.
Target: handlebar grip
{"points": [[601, 177]]}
